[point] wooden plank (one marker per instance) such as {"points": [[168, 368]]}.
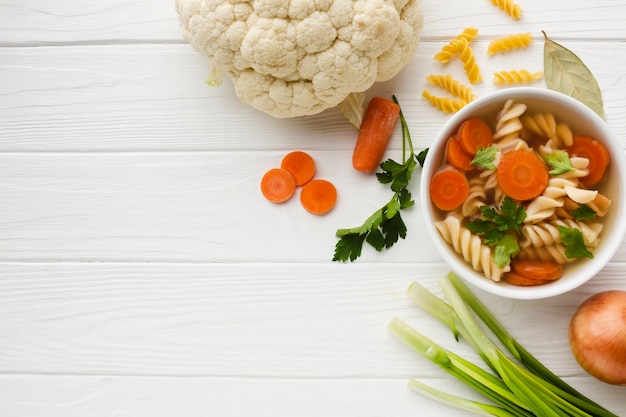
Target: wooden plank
{"points": [[32, 22], [184, 207], [286, 339], [252, 320], [123, 98], [106, 396]]}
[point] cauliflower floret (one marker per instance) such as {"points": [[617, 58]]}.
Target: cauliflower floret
{"points": [[292, 58]]}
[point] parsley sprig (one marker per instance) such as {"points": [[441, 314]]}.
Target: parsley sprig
{"points": [[385, 226], [559, 162], [500, 228], [574, 243], [485, 157]]}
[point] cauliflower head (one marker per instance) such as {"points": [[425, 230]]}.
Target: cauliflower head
{"points": [[291, 58]]}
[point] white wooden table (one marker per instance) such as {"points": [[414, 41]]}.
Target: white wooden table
{"points": [[143, 274]]}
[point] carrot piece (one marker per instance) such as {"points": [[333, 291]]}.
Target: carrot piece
{"points": [[456, 156], [449, 188], [522, 174], [278, 185], [537, 269], [301, 165], [598, 155], [473, 134], [318, 196], [516, 279], [379, 121]]}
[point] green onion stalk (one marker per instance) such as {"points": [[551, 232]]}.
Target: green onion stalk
{"points": [[516, 384]]}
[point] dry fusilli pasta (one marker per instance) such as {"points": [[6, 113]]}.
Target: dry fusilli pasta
{"points": [[445, 104], [509, 7], [510, 42], [470, 246], [449, 50], [516, 76], [466, 55], [454, 87]]}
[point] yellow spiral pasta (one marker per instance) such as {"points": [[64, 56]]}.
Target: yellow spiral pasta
{"points": [[509, 7], [516, 76], [454, 87], [445, 104], [448, 51], [466, 55], [509, 43]]}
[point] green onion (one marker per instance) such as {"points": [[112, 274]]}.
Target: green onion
{"points": [[518, 385]]}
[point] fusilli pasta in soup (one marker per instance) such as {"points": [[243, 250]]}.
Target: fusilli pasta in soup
{"points": [[557, 219]]}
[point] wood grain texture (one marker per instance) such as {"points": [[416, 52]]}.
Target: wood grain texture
{"points": [[142, 274], [114, 396], [109, 336], [111, 98]]}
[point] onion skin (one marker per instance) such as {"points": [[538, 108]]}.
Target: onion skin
{"points": [[597, 336]]}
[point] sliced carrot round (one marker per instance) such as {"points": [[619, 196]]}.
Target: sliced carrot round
{"points": [[456, 156], [473, 134], [596, 153], [278, 185], [537, 269], [522, 174], [516, 279], [301, 165], [318, 196], [449, 188]]}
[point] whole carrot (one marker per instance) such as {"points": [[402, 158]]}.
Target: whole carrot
{"points": [[379, 121]]}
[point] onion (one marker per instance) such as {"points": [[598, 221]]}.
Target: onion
{"points": [[597, 336]]}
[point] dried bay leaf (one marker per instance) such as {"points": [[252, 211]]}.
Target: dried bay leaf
{"points": [[566, 73]]}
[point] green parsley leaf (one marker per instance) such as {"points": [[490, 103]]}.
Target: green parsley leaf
{"points": [[485, 156], [499, 229], [510, 217], [505, 249], [421, 157], [574, 243], [513, 214], [583, 212], [349, 247], [559, 162], [385, 226]]}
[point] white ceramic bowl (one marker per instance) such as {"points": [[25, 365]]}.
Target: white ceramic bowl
{"points": [[582, 121]]}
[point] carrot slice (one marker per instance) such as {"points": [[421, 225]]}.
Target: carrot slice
{"points": [[379, 121], [449, 188], [278, 185], [456, 156], [522, 174], [473, 134], [318, 196], [537, 269], [301, 165], [598, 155], [516, 279]]}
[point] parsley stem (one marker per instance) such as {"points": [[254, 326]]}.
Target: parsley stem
{"points": [[406, 135]]}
